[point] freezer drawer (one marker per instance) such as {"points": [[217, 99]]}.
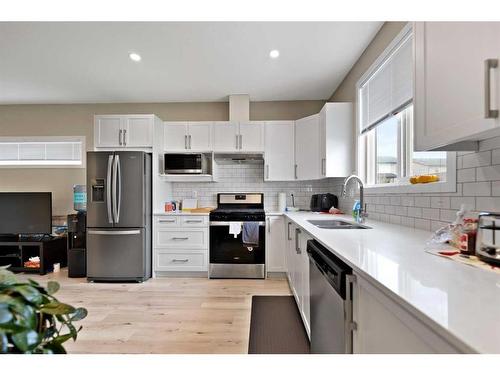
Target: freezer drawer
{"points": [[116, 254]]}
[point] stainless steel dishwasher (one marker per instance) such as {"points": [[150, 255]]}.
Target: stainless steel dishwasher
{"points": [[330, 283]]}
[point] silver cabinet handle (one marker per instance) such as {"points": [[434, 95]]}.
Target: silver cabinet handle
{"points": [[295, 171], [297, 248], [267, 172], [120, 137], [289, 237], [180, 238], [167, 221], [186, 142], [114, 232], [488, 65], [190, 141], [194, 221], [108, 189], [268, 225], [241, 141], [180, 260], [323, 167], [114, 186], [124, 137]]}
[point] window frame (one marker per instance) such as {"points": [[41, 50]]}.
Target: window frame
{"points": [[362, 143], [33, 165]]}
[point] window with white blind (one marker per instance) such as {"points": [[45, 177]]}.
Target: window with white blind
{"points": [[386, 159], [48, 152]]}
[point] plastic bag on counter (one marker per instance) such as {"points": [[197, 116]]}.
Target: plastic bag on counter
{"points": [[448, 232]]}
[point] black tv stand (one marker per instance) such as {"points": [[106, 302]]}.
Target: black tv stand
{"points": [[15, 250]]}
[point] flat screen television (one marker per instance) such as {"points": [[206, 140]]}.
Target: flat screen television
{"points": [[25, 213]]}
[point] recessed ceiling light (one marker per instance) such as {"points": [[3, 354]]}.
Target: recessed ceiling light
{"points": [[274, 54], [134, 56]]}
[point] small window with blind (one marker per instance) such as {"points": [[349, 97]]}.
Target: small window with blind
{"points": [[386, 157], [42, 152]]}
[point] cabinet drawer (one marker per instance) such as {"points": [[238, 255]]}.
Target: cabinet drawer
{"points": [[182, 238], [164, 221], [180, 261], [194, 221]]}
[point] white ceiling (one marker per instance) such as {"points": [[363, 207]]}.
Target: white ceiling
{"points": [[181, 61]]}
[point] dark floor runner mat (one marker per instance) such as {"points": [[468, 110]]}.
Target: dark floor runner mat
{"points": [[276, 327]]}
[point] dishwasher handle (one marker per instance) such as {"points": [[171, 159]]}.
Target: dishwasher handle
{"points": [[334, 270]]}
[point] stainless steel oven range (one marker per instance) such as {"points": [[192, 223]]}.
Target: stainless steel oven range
{"points": [[238, 236]]}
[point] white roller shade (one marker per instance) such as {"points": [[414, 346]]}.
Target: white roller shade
{"points": [[41, 151], [389, 87]]}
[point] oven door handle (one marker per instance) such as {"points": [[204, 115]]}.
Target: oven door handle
{"points": [[226, 223]]}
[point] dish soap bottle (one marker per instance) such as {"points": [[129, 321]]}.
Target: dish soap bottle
{"points": [[356, 208]]}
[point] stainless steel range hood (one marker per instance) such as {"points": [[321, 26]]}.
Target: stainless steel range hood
{"points": [[224, 159]]}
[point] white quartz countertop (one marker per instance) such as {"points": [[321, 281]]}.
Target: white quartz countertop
{"points": [[459, 302], [181, 213]]}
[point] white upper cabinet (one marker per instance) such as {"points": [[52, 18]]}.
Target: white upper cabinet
{"points": [[336, 139], [175, 136], [108, 131], [184, 136], [456, 84], [138, 131], [122, 131], [251, 136], [200, 136], [307, 148], [279, 151], [233, 136], [225, 136]]}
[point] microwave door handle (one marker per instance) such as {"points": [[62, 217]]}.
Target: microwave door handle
{"points": [[108, 189]]}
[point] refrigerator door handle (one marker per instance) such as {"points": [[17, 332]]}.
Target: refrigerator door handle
{"points": [[114, 183], [119, 178], [108, 189], [114, 232]]}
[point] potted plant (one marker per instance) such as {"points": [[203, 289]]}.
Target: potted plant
{"points": [[32, 320]]}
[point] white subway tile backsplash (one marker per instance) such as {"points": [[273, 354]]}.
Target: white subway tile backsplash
{"points": [[422, 201], [423, 224], [488, 204], [495, 188], [440, 202], [466, 175], [414, 212], [490, 144], [477, 189], [456, 202], [495, 156], [430, 213], [476, 159], [407, 201], [491, 173]]}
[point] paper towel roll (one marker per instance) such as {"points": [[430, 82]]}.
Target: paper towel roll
{"points": [[282, 202]]}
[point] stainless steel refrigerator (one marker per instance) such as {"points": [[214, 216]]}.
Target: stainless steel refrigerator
{"points": [[118, 216]]}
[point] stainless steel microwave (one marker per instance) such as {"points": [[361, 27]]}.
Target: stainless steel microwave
{"points": [[193, 163]]}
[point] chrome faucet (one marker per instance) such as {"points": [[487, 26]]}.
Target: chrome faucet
{"points": [[362, 211]]}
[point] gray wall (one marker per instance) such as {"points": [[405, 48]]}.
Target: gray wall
{"points": [[77, 119]]}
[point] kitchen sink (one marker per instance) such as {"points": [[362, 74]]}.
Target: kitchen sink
{"points": [[337, 224]]}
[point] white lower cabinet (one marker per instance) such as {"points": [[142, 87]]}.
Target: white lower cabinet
{"points": [[297, 264], [384, 326], [181, 243], [275, 244]]}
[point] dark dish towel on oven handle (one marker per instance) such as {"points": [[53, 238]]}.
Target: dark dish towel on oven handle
{"points": [[250, 233]]}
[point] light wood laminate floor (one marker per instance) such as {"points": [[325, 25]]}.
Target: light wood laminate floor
{"points": [[164, 315]]}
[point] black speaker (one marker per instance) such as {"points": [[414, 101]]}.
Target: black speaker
{"points": [[77, 262]]}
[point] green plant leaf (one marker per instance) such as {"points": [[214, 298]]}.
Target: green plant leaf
{"points": [[62, 338], [79, 314], [33, 282], [7, 277], [52, 287], [57, 308], [30, 293], [25, 340], [4, 342], [55, 348], [5, 315]]}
